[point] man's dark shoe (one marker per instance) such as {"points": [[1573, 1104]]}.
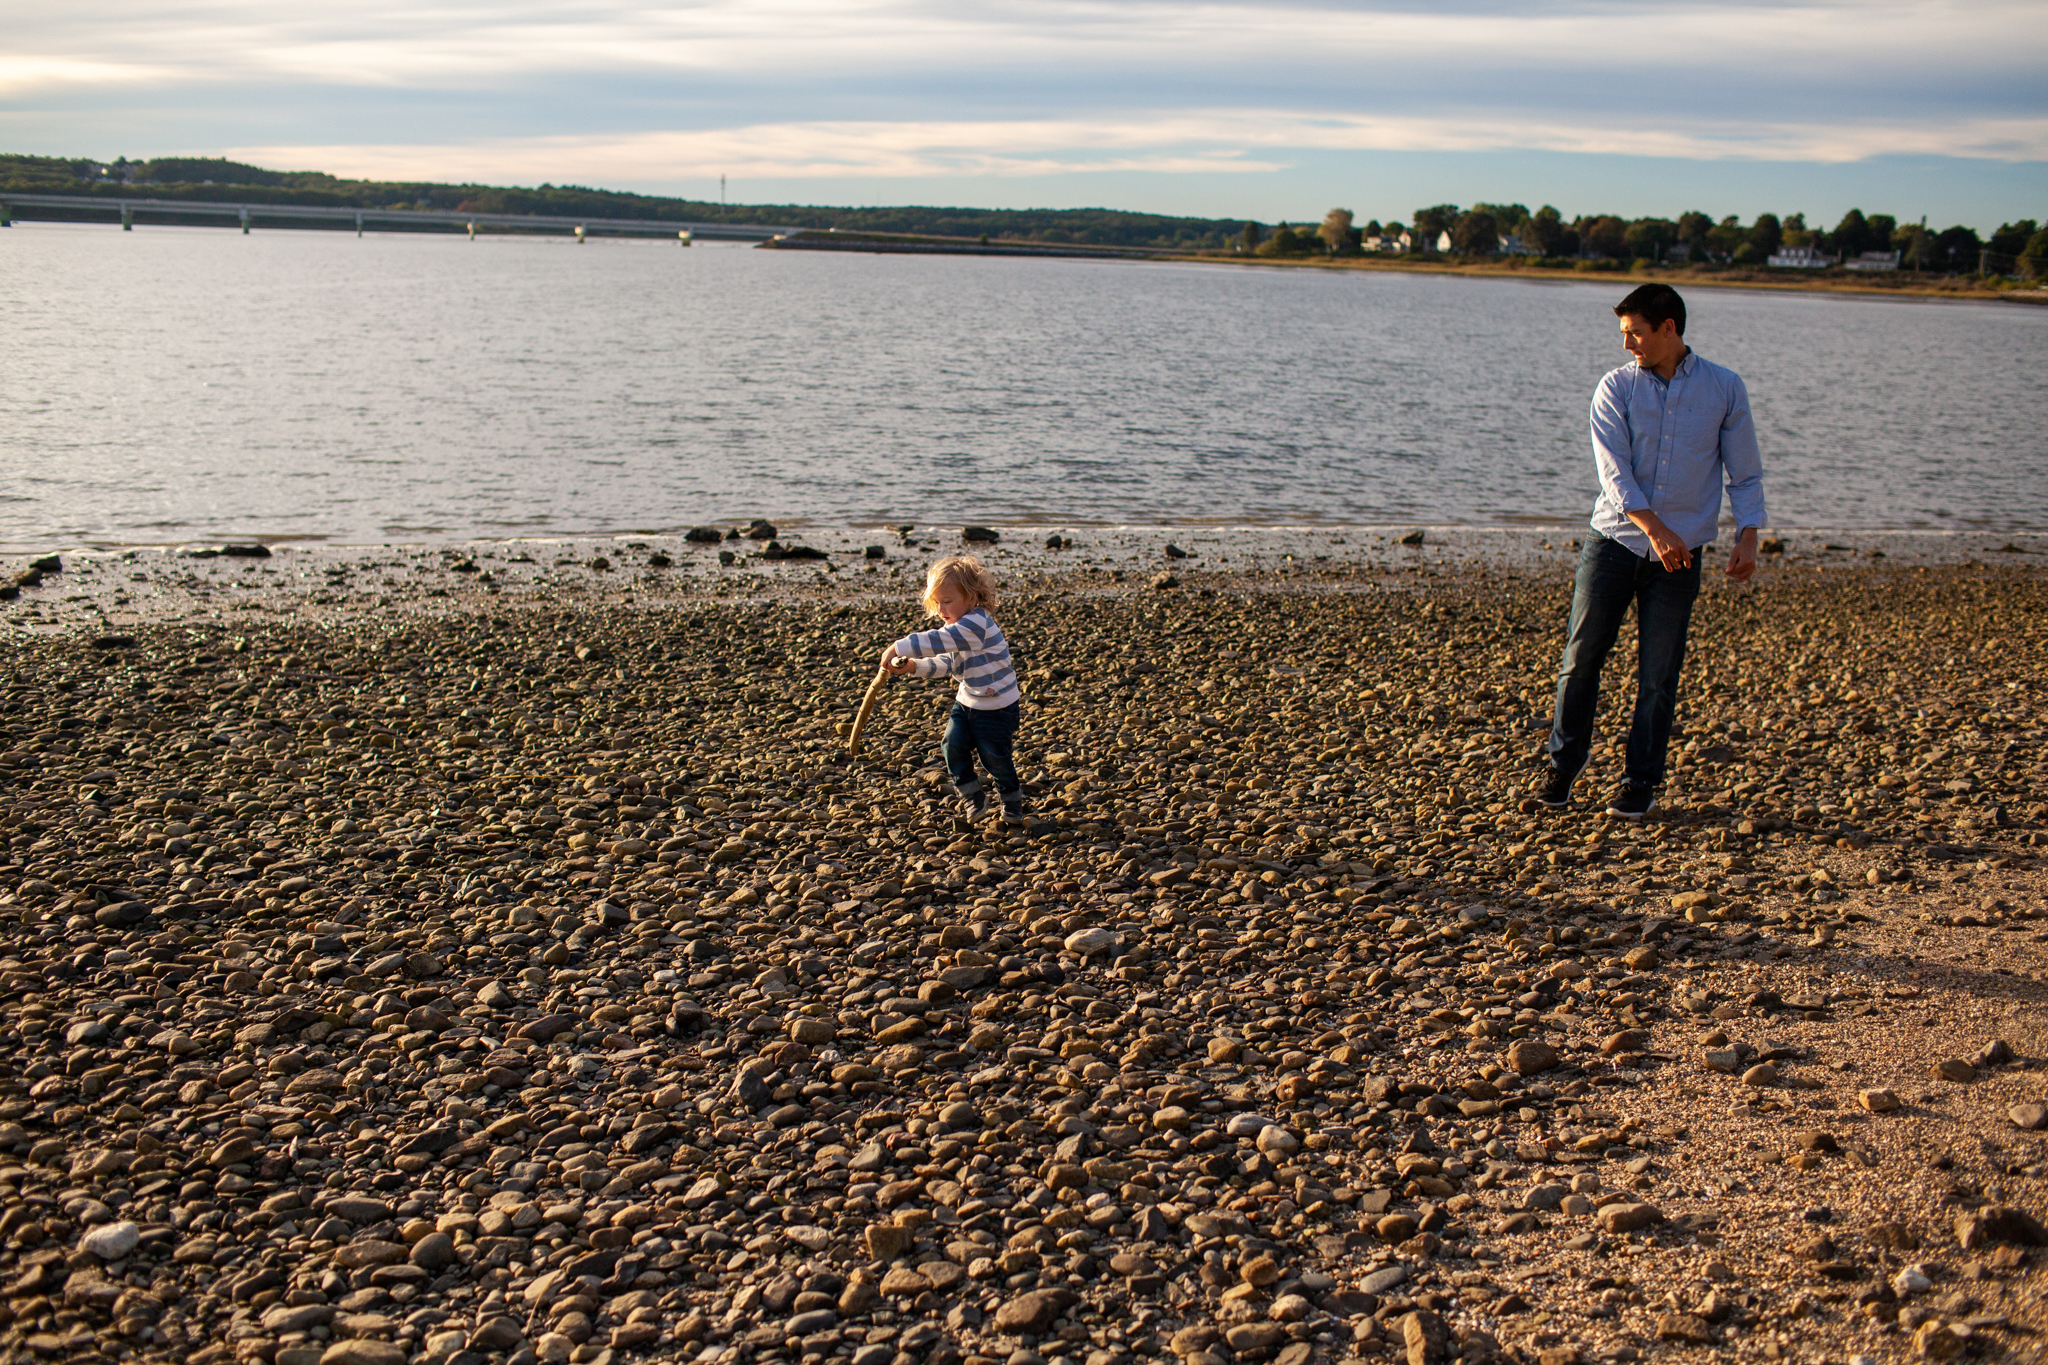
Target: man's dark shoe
{"points": [[975, 802], [1632, 801], [1013, 812], [1556, 791]]}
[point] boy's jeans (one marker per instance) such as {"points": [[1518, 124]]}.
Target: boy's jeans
{"points": [[1610, 577], [990, 734]]}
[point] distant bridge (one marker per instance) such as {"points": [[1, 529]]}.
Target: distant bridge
{"points": [[78, 208]]}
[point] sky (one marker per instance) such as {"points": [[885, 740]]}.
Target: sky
{"points": [[1265, 111]]}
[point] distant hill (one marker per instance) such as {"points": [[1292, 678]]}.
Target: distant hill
{"points": [[201, 178]]}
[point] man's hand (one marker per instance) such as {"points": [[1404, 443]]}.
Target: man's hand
{"points": [[1742, 559], [1670, 549], [892, 663]]}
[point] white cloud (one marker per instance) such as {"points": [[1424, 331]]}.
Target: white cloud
{"points": [[24, 77], [383, 44], [1210, 140], [609, 90]]}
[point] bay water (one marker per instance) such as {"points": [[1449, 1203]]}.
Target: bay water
{"points": [[187, 385]]}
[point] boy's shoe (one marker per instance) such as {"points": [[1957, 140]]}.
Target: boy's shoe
{"points": [[1556, 791], [976, 803], [1013, 813], [1632, 801]]}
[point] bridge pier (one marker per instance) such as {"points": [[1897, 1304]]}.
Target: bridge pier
{"points": [[127, 219], [472, 232], [579, 234], [683, 237], [359, 225], [245, 222], [6, 216]]}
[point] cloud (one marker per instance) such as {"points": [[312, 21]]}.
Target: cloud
{"points": [[385, 44], [1190, 141], [29, 76], [614, 91]]}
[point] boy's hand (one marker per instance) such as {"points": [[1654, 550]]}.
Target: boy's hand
{"points": [[893, 664]]}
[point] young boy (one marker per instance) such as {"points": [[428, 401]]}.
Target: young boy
{"points": [[971, 647]]}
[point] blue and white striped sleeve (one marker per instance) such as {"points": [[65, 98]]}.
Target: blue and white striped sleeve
{"points": [[938, 653]]}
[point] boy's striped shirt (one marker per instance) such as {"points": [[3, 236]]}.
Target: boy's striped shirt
{"points": [[972, 649]]}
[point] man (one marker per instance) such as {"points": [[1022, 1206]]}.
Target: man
{"points": [[1668, 430]]}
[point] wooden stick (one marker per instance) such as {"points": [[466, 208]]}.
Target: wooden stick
{"points": [[867, 706]]}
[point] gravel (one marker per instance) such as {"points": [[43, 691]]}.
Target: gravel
{"points": [[523, 974]]}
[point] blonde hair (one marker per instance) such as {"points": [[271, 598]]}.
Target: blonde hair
{"points": [[966, 573]]}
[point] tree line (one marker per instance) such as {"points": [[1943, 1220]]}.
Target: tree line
{"points": [[1477, 230], [1482, 230], [210, 179]]}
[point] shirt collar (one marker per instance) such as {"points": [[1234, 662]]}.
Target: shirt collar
{"points": [[1684, 367]]}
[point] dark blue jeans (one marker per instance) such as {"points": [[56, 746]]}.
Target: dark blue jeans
{"points": [[1610, 577], [990, 734]]}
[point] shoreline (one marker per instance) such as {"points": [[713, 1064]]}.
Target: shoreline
{"points": [[108, 592], [846, 542], [1957, 288]]}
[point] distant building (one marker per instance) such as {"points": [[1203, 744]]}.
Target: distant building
{"points": [[1390, 242], [1801, 258], [1514, 244], [1874, 260], [1678, 254], [1443, 242]]}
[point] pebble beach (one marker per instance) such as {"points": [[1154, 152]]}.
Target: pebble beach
{"points": [[485, 954]]}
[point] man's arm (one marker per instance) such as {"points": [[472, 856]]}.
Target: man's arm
{"points": [[1673, 552], [1742, 464], [1614, 461], [1742, 559]]}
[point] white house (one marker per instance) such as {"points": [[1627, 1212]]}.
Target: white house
{"points": [[1514, 244], [1801, 258], [1389, 242], [1874, 260], [1443, 241]]}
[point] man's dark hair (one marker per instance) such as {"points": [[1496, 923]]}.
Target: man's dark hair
{"points": [[1653, 303]]}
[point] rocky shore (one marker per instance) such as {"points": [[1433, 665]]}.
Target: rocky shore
{"points": [[480, 955]]}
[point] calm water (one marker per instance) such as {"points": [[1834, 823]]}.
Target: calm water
{"points": [[169, 385]]}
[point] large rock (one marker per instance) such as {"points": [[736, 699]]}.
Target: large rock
{"points": [[358, 1208], [356, 1255], [1627, 1216], [1033, 1312], [435, 1251], [1255, 1336], [1426, 1337], [2000, 1223], [111, 1241], [363, 1351], [1531, 1056]]}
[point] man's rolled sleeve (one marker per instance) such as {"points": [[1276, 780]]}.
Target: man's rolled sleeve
{"points": [[1613, 448], [1741, 461]]}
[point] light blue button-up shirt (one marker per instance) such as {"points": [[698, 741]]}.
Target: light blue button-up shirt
{"points": [[1668, 448]]}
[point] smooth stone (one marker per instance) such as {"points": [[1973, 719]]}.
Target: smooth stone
{"points": [[111, 1241]]}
